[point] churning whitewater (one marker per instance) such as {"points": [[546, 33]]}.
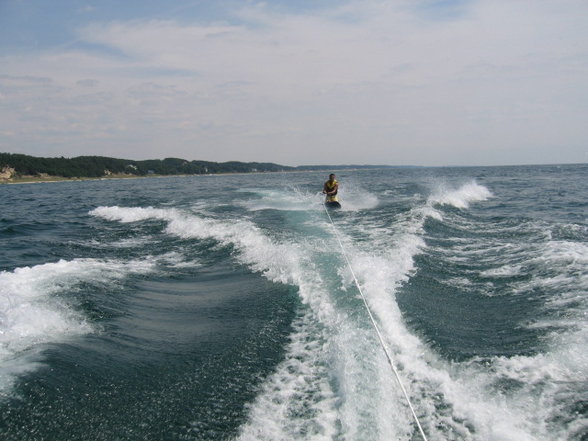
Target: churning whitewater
{"points": [[222, 307]]}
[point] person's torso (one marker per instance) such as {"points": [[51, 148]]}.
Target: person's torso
{"points": [[330, 185]]}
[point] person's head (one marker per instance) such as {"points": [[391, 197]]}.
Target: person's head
{"points": [[331, 177]]}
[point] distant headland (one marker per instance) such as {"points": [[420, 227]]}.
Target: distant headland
{"points": [[16, 168]]}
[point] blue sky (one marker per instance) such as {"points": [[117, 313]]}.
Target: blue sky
{"points": [[423, 82]]}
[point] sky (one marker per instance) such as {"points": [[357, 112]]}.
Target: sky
{"points": [[396, 82]]}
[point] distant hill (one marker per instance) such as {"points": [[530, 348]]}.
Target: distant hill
{"points": [[100, 166], [13, 165]]}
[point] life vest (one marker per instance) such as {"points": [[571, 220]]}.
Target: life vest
{"points": [[330, 185]]}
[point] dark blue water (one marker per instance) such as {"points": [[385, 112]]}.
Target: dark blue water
{"points": [[221, 307]]}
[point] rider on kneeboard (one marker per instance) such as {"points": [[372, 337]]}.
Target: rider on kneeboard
{"points": [[330, 189]]}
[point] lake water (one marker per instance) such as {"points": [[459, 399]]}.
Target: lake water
{"points": [[222, 307]]}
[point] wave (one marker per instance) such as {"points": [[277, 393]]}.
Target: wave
{"points": [[34, 311], [477, 399], [330, 376], [297, 401], [529, 397], [453, 398], [334, 381], [460, 197], [352, 197], [532, 396], [279, 263], [288, 199]]}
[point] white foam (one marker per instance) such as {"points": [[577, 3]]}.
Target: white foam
{"points": [[32, 312], [135, 242], [526, 397], [547, 384], [133, 214], [178, 260], [381, 269], [560, 266], [460, 197], [287, 199], [465, 400], [352, 198], [566, 253], [334, 382], [503, 271], [460, 400], [355, 198], [327, 384], [429, 379], [287, 263], [277, 262], [297, 402]]}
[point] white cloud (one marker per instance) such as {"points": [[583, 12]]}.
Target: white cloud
{"points": [[367, 82], [89, 83]]}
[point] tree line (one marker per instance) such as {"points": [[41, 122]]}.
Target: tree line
{"points": [[100, 166]]}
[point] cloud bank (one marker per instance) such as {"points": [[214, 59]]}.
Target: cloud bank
{"points": [[429, 83]]}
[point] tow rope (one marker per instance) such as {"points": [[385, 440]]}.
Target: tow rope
{"points": [[377, 329]]}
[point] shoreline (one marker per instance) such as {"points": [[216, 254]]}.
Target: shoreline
{"points": [[53, 179]]}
